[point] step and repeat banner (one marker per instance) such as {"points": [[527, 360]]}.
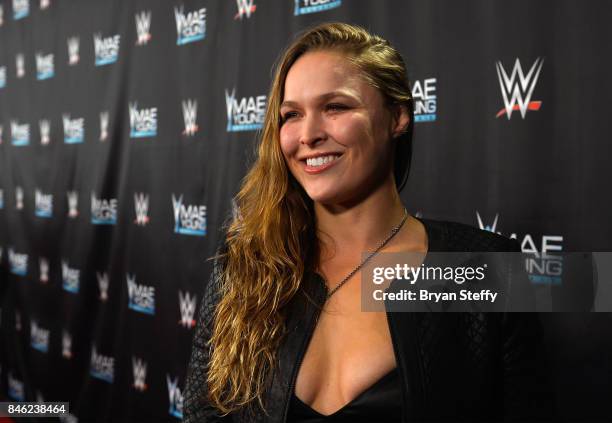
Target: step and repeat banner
{"points": [[126, 127]]}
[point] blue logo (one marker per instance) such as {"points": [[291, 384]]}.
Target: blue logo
{"points": [[44, 66], [18, 263], [102, 367], [143, 123], [141, 297], [39, 337], [190, 27], [175, 398], [106, 49], [21, 9], [303, 7], [103, 211], [245, 114], [20, 134], [70, 278], [43, 204], [74, 129], [425, 100], [188, 220], [2, 76]]}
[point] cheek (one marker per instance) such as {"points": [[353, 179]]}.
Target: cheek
{"points": [[288, 142]]}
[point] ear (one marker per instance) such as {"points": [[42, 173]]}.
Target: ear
{"points": [[400, 120]]}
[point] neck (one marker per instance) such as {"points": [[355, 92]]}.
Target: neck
{"points": [[361, 226]]}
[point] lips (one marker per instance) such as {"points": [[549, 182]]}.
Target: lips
{"points": [[320, 163]]}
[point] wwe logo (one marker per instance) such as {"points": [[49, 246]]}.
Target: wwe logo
{"points": [[44, 270], [19, 198], [103, 285], [45, 129], [66, 345], [103, 126], [245, 8], [143, 26], [20, 63], [490, 228], [141, 204], [73, 199], [518, 88], [73, 50], [140, 373], [187, 304], [190, 112]]}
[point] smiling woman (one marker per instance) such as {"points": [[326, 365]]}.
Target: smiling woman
{"points": [[281, 336]]}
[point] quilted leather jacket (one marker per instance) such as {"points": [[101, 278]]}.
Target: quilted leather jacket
{"points": [[453, 367]]}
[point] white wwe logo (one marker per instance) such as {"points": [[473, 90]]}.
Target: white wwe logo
{"points": [[484, 227], [140, 373], [103, 285], [103, 126], [73, 198], [44, 270], [66, 345], [19, 198], [190, 112], [45, 129], [187, 304], [517, 88], [20, 63], [73, 50], [141, 204], [143, 26], [245, 8]]}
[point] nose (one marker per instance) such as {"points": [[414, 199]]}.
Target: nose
{"points": [[313, 130]]}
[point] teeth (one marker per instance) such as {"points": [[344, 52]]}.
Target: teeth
{"points": [[320, 161]]}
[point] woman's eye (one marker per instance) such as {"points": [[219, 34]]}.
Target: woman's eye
{"points": [[336, 107], [288, 116]]}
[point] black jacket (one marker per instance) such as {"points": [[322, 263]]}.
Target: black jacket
{"points": [[453, 366]]}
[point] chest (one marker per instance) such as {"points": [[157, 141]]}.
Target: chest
{"points": [[348, 352]]}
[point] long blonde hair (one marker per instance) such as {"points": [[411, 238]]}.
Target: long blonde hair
{"points": [[272, 241]]}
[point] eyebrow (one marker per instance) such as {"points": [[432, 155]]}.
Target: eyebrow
{"points": [[321, 98]]}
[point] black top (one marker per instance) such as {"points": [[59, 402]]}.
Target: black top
{"points": [[381, 402]]}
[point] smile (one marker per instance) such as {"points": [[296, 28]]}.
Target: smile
{"points": [[321, 163]]}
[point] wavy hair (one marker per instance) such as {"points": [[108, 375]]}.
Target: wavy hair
{"points": [[273, 240]]}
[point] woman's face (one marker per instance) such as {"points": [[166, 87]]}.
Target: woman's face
{"points": [[336, 131]]}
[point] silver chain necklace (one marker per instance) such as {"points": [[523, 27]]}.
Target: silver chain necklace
{"points": [[394, 232]]}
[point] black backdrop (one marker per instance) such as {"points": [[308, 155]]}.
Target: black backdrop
{"points": [[111, 198]]}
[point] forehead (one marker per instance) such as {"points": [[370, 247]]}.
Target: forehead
{"points": [[319, 72]]}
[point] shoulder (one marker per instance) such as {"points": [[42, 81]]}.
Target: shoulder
{"points": [[454, 236]]}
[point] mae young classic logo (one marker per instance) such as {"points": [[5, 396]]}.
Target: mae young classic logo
{"points": [[425, 100], [190, 26], [246, 113], [106, 49], [44, 66], [143, 122], [303, 7], [518, 88], [188, 219], [141, 297], [543, 267], [43, 204]]}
